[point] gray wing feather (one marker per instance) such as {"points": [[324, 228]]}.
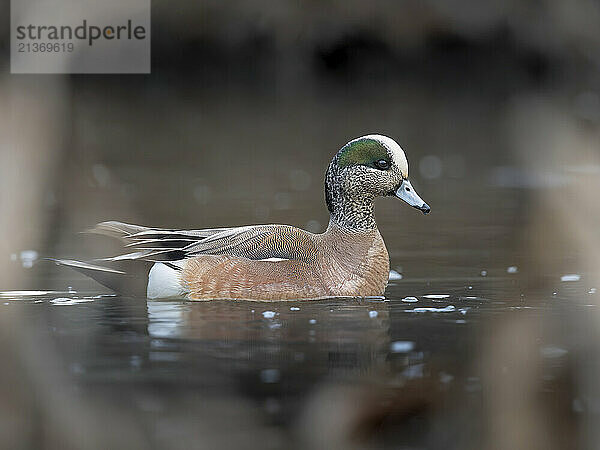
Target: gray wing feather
{"points": [[116, 229], [127, 231], [253, 242], [257, 242]]}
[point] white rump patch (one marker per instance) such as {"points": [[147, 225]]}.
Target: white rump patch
{"points": [[164, 282]]}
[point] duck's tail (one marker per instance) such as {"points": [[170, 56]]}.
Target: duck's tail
{"points": [[130, 278], [159, 249]]}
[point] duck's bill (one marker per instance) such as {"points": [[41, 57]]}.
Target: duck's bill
{"points": [[407, 193]]}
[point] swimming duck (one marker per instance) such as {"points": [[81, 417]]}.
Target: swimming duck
{"points": [[278, 262]]}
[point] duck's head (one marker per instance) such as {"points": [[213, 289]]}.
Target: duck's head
{"points": [[365, 168]]}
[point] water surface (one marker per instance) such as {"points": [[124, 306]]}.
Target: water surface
{"points": [[384, 372]]}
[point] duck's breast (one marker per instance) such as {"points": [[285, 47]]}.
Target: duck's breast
{"points": [[355, 264]]}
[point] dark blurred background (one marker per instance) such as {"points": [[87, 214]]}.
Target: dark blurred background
{"points": [[495, 103], [247, 103]]}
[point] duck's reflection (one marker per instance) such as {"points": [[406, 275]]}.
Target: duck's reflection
{"points": [[165, 319], [323, 336], [318, 366]]}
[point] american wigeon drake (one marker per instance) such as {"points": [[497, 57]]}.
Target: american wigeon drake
{"points": [[279, 262]]}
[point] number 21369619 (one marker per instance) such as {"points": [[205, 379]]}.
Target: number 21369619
{"points": [[46, 47]]}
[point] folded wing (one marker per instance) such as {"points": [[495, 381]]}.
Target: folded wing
{"points": [[254, 242]]}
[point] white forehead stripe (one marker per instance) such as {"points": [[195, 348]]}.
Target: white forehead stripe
{"points": [[396, 151]]}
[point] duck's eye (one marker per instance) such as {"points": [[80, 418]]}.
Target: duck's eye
{"points": [[382, 164]]}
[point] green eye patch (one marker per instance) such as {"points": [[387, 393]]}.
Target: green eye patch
{"points": [[365, 152]]}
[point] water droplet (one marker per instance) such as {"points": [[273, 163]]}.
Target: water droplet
{"points": [[312, 321], [570, 277], [551, 351], [449, 308], [402, 346], [394, 276], [483, 273], [28, 257], [269, 314], [372, 314], [66, 301], [512, 269]]}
